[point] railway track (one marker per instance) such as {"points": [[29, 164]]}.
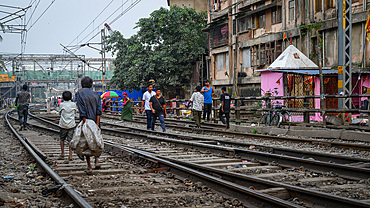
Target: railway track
{"points": [[144, 187], [119, 182], [219, 130], [223, 162]]}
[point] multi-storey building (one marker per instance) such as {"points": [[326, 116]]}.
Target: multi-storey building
{"points": [[246, 35], [198, 5]]}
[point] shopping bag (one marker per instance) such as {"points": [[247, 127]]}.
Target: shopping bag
{"points": [[87, 139]]}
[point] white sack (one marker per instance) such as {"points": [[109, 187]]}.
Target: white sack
{"points": [[87, 139]]}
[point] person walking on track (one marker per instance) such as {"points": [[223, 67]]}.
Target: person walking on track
{"points": [[197, 101], [22, 101], [126, 113], [208, 93], [225, 107], [148, 111], [90, 107], [158, 106], [67, 123]]}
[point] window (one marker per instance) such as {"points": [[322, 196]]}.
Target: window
{"points": [[329, 4], [247, 57], [249, 23], [227, 61], [318, 5], [262, 55], [276, 15], [220, 62], [292, 10], [261, 21], [244, 24], [254, 22]]}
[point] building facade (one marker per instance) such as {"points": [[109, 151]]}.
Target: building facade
{"points": [[198, 5], [247, 35]]}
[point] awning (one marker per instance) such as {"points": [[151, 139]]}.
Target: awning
{"points": [[300, 71]]}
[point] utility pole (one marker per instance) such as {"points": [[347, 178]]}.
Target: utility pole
{"points": [[103, 58], [345, 54], [322, 99]]}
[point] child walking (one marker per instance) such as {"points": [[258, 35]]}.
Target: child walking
{"points": [[67, 123]]}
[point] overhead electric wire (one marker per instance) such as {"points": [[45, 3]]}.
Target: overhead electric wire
{"points": [[41, 15], [114, 20], [33, 11], [92, 21], [102, 22]]}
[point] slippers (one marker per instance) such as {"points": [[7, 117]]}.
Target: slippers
{"points": [[70, 159], [88, 172], [60, 156]]}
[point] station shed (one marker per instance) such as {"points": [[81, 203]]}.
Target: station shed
{"points": [[294, 74]]}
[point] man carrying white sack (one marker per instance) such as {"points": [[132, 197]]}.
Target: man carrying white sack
{"points": [[87, 140]]}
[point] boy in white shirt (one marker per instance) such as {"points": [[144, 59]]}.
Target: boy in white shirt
{"points": [[67, 123]]}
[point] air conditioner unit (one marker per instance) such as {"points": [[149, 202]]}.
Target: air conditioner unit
{"points": [[216, 7]]}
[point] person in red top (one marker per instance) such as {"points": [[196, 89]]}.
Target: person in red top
{"points": [[59, 101]]}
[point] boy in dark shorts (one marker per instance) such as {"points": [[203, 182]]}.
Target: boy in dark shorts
{"points": [[67, 123]]}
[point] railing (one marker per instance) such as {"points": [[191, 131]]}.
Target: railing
{"points": [[237, 109]]}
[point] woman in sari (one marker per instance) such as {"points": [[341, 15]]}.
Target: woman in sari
{"points": [[126, 113]]}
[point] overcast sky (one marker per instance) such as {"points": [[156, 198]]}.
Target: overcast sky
{"points": [[65, 19]]}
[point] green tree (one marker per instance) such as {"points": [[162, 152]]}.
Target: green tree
{"points": [[166, 47]]}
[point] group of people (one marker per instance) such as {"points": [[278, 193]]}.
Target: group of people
{"points": [[6, 102], [203, 102], [88, 104], [155, 106]]}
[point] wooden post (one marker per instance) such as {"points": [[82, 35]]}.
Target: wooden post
{"points": [[306, 115], [215, 111], [237, 111]]}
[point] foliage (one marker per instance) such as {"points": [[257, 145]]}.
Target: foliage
{"points": [[310, 27], [165, 48]]}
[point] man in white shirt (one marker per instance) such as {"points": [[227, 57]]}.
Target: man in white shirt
{"points": [[197, 100], [148, 111]]}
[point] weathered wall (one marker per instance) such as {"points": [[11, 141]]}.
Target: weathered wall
{"points": [[198, 5], [331, 52], [356, 43]]}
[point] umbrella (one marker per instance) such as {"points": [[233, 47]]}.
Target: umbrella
{"points": [[110, 94]]}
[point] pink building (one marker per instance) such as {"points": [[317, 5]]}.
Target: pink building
{"points": [[294, 74]]}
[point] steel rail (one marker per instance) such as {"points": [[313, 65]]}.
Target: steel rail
{"points": [[277, 150], [68, 189], [247, 196], [269, 137], [326, 200], [347, 171], [318, 198]]}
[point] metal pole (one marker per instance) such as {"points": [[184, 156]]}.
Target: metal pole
{"points": [[345, 53], [322, 99], [103, 58]]}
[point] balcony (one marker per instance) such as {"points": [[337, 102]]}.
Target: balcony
{"points": [[246, 3]]}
